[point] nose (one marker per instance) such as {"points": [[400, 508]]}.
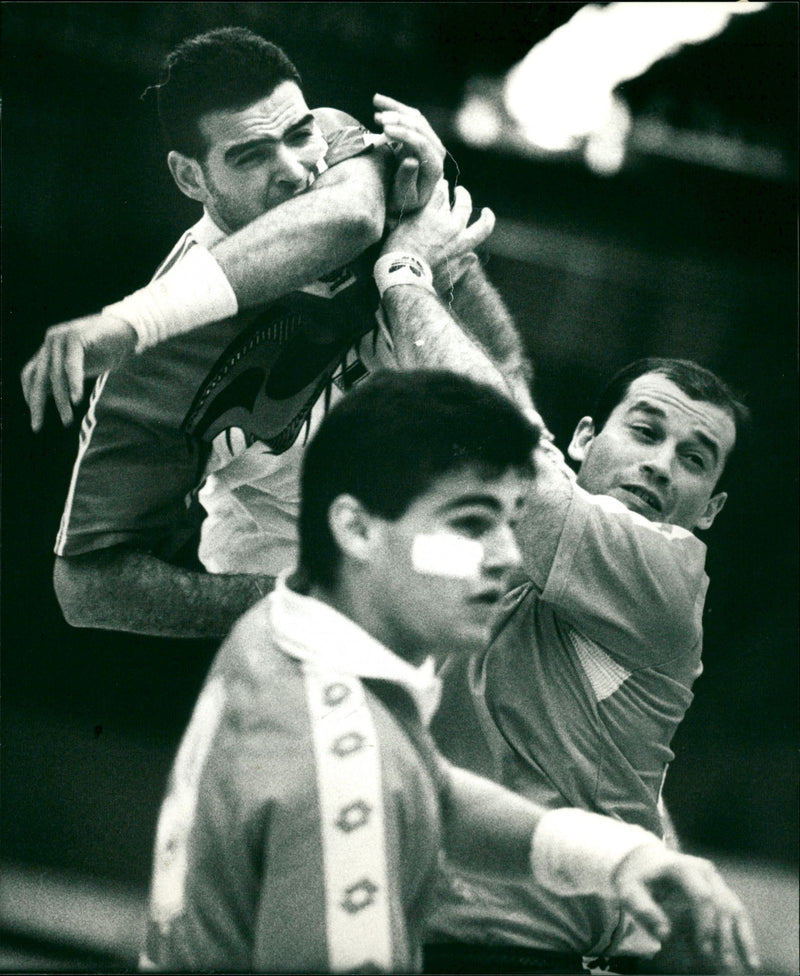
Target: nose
{"points": [[290, 168], [658, 463], [501, 552]]}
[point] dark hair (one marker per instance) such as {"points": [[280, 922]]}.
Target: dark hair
{"points": [[694, 380], [387, 441], [227, 68]]}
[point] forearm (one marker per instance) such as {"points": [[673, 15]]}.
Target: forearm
{"points": [[132, 591], [484, 317], [308, 236], [493, 831], [487, 828], [286, 248], [425, 335]]}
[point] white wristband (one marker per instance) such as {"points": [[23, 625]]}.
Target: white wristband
{"points": [[193, 293], [402, 268], [574, 852]]}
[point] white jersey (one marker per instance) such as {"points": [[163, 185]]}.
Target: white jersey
{"points": [[251, 489]]}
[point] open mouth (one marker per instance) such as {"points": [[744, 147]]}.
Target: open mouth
{"points": [[645, 495]]}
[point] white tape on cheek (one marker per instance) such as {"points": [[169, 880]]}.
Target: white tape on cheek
{"points": [[446, 555]]}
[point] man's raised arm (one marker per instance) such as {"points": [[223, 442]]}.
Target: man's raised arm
{"points": [[290, 246], [481, 342]]}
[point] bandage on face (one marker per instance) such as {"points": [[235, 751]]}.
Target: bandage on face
{"points": [[446, 554]]}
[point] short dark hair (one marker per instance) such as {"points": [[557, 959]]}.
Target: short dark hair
{"points": [[226, 68], [694, 380], [387, 441]]}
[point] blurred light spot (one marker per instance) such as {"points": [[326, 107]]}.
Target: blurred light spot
{"points": [[561, 95], [478, 121]]}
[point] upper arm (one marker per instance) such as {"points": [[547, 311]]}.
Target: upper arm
{"points": [[547, 506], [633, 586]]}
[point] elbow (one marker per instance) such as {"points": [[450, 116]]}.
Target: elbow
{"points": [[70, 590], [364, 222]]}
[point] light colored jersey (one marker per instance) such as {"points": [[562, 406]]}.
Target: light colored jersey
{"points": [[301, 826], [575, 703], [251, 492]]}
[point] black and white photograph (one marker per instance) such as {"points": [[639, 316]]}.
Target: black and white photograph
{"points": [[400, 488]]}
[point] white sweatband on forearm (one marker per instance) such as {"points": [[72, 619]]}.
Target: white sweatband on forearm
{"points": [[402, 268], [574, 852], [193, 293]]}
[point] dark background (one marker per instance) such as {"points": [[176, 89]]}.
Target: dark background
{"points": [[672, 256]]}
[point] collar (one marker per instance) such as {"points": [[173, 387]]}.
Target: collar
{"points": [[309, 630], [206, 232]]}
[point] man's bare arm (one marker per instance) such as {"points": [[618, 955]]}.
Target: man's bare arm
{"points": [[291, 246], [424, 335], [310, 235], [286, 248], [482, 314], [125, 590], [423, 330]]}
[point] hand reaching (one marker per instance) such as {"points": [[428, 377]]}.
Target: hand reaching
{"points": [[441, 234], [683, 902], [419, 152], [70, 353]]}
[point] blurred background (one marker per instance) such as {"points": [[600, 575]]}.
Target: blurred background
{"points": [[663, 222]]}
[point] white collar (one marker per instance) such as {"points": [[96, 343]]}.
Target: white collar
{"points": [[310, 630], [206, 232]]}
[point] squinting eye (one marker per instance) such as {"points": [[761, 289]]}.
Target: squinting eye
{"points": [[251, 159], [643, 431], [297, 138], [471, 525], [695, 459]]}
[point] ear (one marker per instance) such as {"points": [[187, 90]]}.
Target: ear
{"points": [[188, 175], [581, 439], [354, 529], [713, 509]]}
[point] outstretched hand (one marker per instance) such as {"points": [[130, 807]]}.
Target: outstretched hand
{"points": [[442, 235], [684, 903], [72, 352], [419, 152]]}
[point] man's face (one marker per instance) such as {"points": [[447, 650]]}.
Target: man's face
{"points": [[259, 156], [660, 453], [440, 569]]}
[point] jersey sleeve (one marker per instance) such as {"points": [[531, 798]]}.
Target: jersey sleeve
{"points": [[635, 587], [346, 136], [135, 467]]}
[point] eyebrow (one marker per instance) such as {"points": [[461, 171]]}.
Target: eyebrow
{"points": [[238, 149], [466, 501], [642, 406]]}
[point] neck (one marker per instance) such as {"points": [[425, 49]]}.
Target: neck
{"points": [[353, 601]]}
